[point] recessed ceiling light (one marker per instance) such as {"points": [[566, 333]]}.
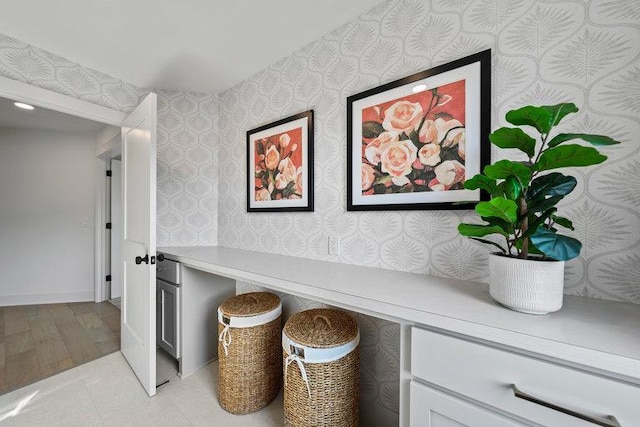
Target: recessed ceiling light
{"points": [[419, 88], [23, 105]]}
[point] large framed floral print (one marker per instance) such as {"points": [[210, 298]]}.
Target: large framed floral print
{"points": [[280, 165], [412, 143]]}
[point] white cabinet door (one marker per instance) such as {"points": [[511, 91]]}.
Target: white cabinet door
{"points": [[432, 408], [138, 331]]}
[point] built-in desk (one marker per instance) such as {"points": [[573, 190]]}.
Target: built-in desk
{"points": [[600, 337]]}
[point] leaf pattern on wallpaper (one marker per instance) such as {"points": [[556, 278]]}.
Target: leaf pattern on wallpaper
{"points": [[281, 98], [340, 225], [461, 260], [78, 81], [539, 29], [431, 226], [623, 92], [343, 70], [28, 65], [379, 225], [622, 275], [294, 244], [119, 94], [493, 13], [509, 75], [596, 226], [269, 82], [390, 395], [323, 55], [599, 125], [184, 105], [10, 42], [198, 122], [620, 9], [388, 365], [368, 384], [368, 330], [308, 86], [623, 184], [432, 34], [403, 16], [295, 68], [451, 5], [360, 250], [542, 95], [463, 46], [381, 55], [361, 36], [404, 254], [588, 55]]}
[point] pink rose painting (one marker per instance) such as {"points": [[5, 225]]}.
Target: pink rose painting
{"points": [[278, 166], [415, 143]]}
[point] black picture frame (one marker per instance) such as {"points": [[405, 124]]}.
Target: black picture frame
{"points": [[380, 160], [279, 167]]}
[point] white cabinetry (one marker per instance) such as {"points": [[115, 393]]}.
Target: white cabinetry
{"points": [[432, 408], [526, 388]]}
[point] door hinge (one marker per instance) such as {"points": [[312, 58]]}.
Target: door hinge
{"points": [[108, 173], [108, 278], [108, 226]]}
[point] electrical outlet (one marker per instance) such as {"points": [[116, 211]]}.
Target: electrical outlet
{"points": [[334, 245], [85, 222]]}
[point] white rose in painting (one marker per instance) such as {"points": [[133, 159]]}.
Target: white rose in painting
{"points": [[288, 169], [449, 172], [428, 132], [272, 158], [368, 176], [281, 182], [374, 148], [403, 116], [285, 139], [298, 181], [262, 195], [396, 160], [449, 132], [429, 154]]}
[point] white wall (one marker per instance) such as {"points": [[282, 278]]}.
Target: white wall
{"points": [[46, 216]]}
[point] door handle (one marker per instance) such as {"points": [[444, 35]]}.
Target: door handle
{"points": [[140, 260]]}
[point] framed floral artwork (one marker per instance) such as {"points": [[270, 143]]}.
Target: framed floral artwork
{"points": [[280, 165], [412, 143]]}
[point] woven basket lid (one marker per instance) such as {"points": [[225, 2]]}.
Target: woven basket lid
{"points": [[321, 328], [250, 304]]}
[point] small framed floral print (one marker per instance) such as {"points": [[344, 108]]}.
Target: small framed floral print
{"points": [[412, 143], [280, 165]]}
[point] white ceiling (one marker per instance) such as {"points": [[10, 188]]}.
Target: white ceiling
{"points": [[187, 45], [41, 118]]}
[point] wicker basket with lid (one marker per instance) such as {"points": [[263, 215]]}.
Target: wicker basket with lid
{"points": [[321, 369], [250, 365]]}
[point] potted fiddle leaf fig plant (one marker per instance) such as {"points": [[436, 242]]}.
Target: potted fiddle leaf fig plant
{"points": [[527, 274]]}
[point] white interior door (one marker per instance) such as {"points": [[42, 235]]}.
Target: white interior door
{"points": [[138, 332], [116, 228]]}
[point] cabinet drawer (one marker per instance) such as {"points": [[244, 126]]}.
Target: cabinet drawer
{"points": [[488, 374], [432, 408]]}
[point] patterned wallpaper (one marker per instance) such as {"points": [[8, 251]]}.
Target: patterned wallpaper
{"points": [[187, 196], [543, 52]]}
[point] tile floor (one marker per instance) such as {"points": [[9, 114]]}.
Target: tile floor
{"points": [[105, 392]]}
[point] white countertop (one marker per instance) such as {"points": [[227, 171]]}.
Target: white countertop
{"points": [[599, 335]]}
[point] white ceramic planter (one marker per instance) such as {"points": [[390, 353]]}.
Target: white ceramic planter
{"points": [[534, 287]]}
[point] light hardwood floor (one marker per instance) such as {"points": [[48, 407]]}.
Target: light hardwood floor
{"points": [[37, 341]]}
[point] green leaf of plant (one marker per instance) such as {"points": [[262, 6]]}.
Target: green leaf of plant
{"points": [[499, 207], [489, 242], [505, 168], [542, 204], [538, 117], [481, 182], [512, 188], [556, 246], [597, 140], [371, 129], [563, 222], [560, 111], [479, 230], [513, 138], [552, 184], [536, 221], [567, 156]]}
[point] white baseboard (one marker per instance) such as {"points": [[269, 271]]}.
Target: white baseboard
{"points": [[30, 299]]}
